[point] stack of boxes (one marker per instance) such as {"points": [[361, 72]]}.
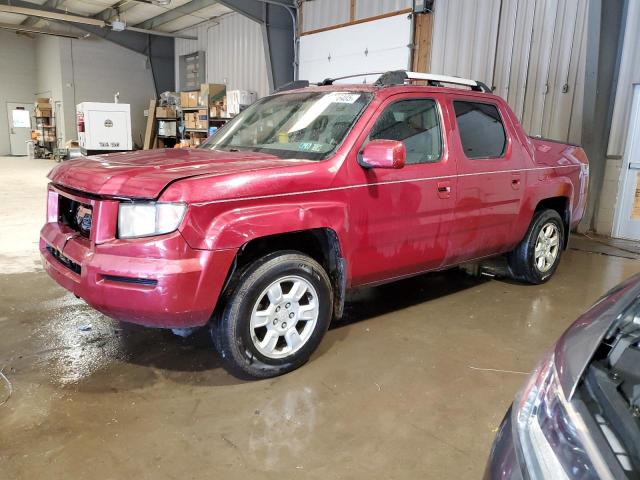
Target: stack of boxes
{"points": [[45, 129], [43, 108], [200, 108], [214, 96]]}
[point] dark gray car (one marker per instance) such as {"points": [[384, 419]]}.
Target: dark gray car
{"points": [[578, 414]]}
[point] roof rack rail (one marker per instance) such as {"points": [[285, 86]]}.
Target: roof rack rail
{"points": [[400, 77], [329, 81], [292, 86]]}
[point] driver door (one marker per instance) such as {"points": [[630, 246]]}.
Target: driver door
{"points": [[400, 219]]}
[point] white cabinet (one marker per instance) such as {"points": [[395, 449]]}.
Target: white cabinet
{"points": [[104, 126]]}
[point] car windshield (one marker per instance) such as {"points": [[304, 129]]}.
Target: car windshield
{"points": [[301, 125]]}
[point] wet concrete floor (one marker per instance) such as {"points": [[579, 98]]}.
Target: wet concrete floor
{"points": [[396, 389], [403, 387]]}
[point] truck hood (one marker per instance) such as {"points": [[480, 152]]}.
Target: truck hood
{"points": [[145, 173], [578, 344]]}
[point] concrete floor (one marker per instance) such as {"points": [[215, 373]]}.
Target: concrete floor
{"points": [[413, 383]]}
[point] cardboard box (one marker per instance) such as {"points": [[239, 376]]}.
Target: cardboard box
{"points": [[214, 112], [190, 120], [166, 112], [43, 100], [202, 124], [203, 115], [193, 99], [212, 92], [39, 112], [184, 99]]}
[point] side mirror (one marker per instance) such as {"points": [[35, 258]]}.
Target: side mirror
{"points": [[384, 154]]}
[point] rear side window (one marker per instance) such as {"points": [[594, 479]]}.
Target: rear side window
{"points": [[481, 129], [414, 123]]}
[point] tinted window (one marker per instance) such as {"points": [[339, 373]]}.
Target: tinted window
{"points": [[481, 129], [414, 123]]}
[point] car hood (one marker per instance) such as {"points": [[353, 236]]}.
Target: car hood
{"points": [[145, 173], [578, 344]]}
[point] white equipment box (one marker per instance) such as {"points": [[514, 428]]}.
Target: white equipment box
{"points": [[104, 127]]}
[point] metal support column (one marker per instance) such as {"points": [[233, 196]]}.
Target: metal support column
{"points": [[605, 23]]}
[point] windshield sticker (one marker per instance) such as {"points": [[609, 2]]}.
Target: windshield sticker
{"points": [[338, 97], [305, 146]]}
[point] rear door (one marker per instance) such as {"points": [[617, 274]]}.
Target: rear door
{"points": [[491, 178], [399, 220], [19, 127]]}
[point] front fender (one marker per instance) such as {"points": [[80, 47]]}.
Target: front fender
{"points": [[210, 227]]}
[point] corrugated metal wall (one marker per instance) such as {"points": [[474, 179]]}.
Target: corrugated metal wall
{"points": [[368, 8], [327, 13], [464, 38], [629, 74], [234, 52], [324, 13], [531, 51]]}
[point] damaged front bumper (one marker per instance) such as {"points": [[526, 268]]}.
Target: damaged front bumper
{"points": [[157, 281]]}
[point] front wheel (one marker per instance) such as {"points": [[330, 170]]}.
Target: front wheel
{"points": [[275, 317], [537, 256]]}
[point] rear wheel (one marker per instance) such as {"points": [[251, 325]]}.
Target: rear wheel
{"points": [[275, 317], [537, 256]]}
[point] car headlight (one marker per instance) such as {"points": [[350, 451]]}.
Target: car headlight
{"points": [[144, 219], [550, 436]]}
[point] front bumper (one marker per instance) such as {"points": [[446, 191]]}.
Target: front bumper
{"points": [[503, 463], [158, 281]]}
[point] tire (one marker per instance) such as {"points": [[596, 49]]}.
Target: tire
{"points": [[524, 260], [250, 349]]}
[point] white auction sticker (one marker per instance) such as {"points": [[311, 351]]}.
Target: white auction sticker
{"points": [[340, 97]]}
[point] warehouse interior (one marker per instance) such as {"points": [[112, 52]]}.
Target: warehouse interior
{"points": [[414, 379]]}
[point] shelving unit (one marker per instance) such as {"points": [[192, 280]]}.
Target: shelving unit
{"points": [[211, 122], [45, 136], [168, 141]]}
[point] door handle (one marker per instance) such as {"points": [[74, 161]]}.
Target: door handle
{"points": [[515, 181], [444, 189]]}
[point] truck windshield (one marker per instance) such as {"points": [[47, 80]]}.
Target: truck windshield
{"points": [[301, 125]]}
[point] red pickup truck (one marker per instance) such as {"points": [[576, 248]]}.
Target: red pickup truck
{"points": [[306, 194]]}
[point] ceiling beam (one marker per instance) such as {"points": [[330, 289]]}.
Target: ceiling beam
{"points": [[159, 50], [30, 21], [111, 12], [251, 9], [51, 15], [39, 31], [175, 13]]}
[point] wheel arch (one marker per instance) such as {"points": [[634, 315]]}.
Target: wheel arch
{"points": [[562, 205], [322, 244]]}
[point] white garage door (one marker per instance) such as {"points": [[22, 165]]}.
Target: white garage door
{"points": [[375, 46]]}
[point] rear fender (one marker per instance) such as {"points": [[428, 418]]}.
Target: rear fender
{"points": [[538, 192]]}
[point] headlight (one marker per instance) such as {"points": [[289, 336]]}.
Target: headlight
{"points": [[144, 219], [551, 438]]}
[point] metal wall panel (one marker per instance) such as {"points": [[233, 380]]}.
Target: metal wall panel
{"points": [[324, 13], [565, 55], [234, 52], [464, 38], [628, 75], [371, 8], [531, 51]]}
